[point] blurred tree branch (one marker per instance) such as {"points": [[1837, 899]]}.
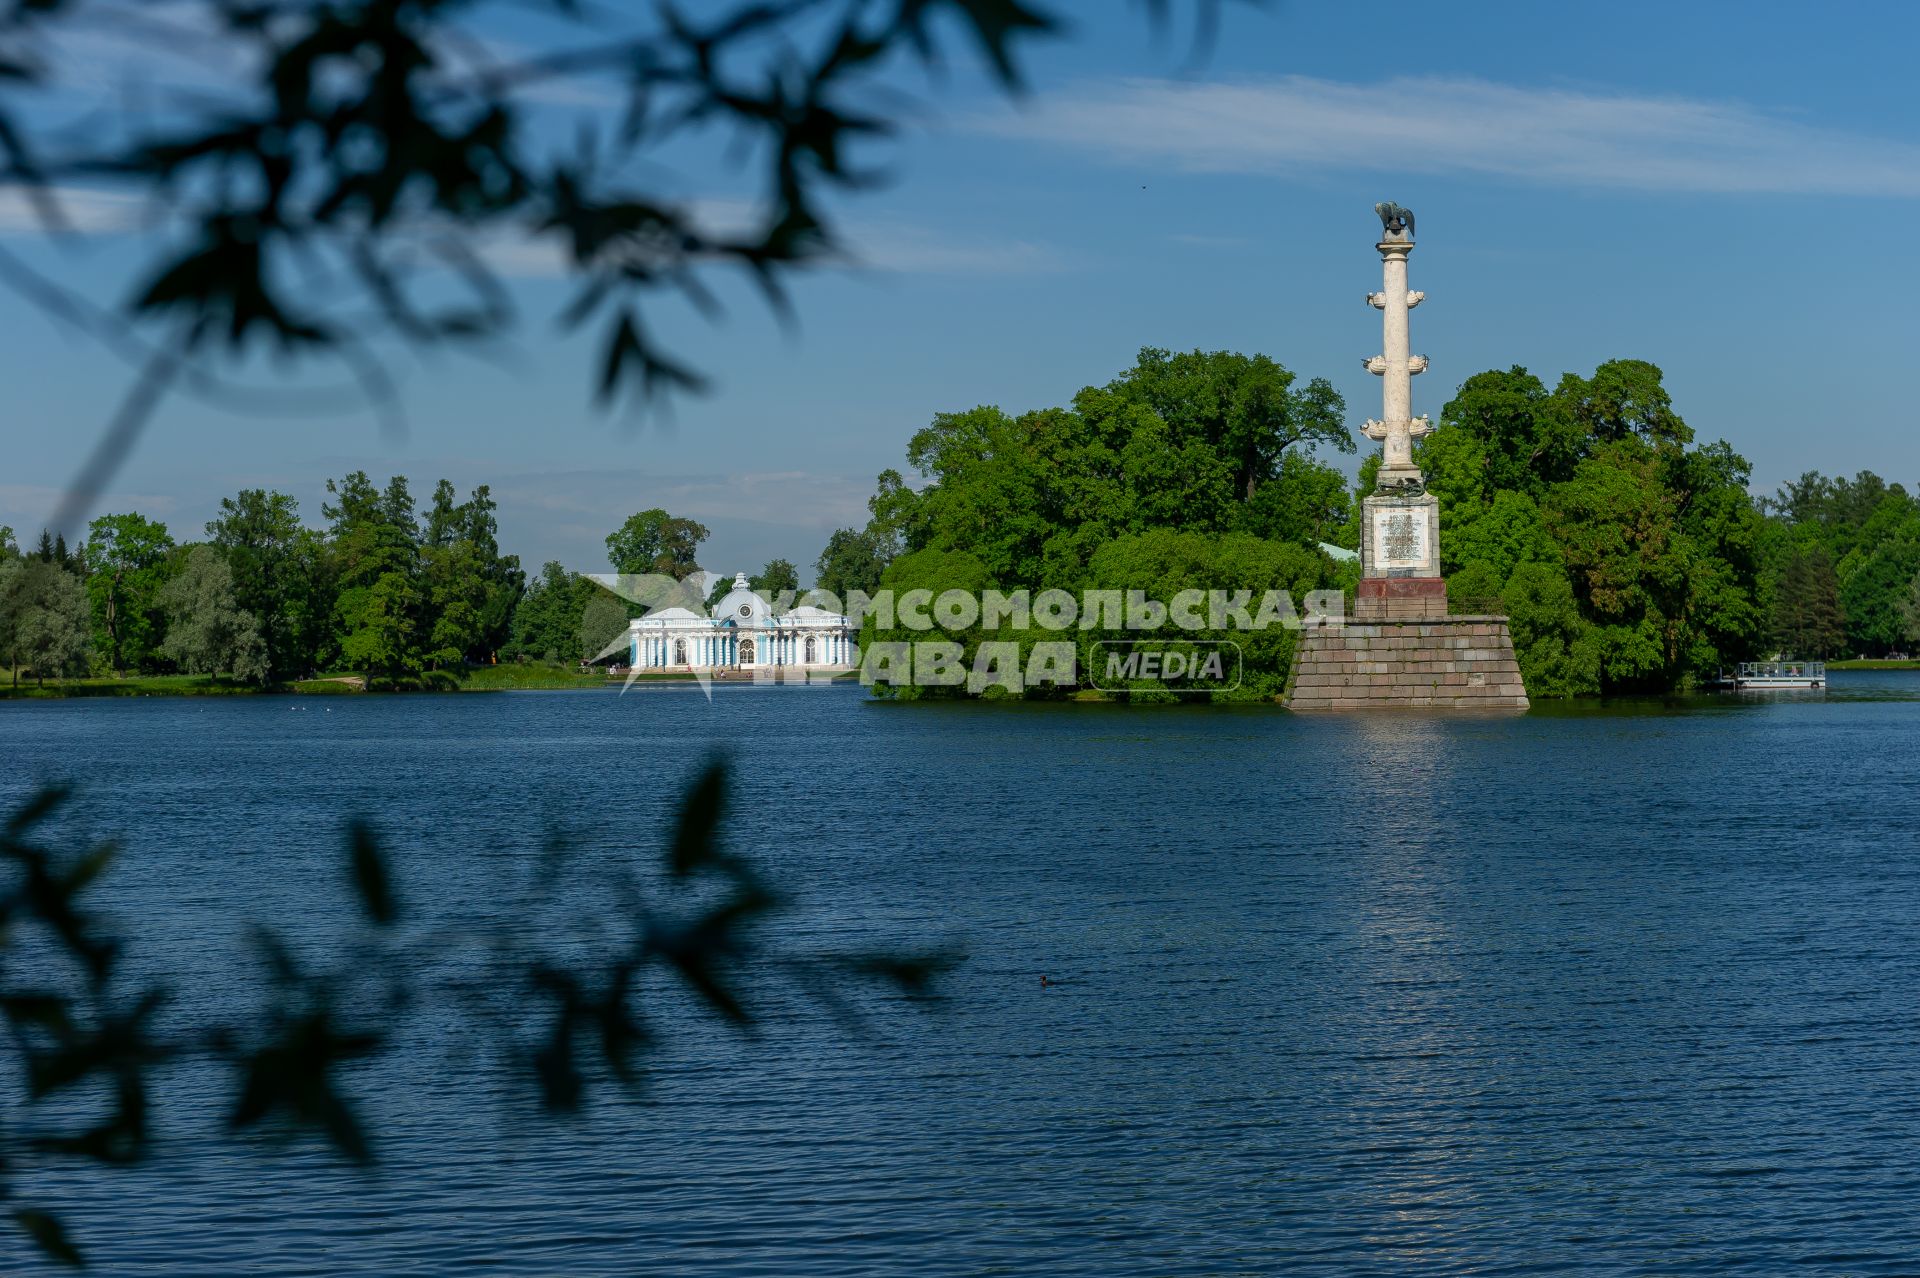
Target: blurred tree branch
{"points": [[333, 167], [556, 990]]}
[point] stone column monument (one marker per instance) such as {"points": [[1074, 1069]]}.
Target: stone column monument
{"points": [[1400, 522], [1402, 649]]}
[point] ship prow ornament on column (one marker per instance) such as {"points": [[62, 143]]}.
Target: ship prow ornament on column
{"points": [[1401, 649]]}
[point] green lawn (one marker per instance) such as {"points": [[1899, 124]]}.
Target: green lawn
{"points": [[131, 686], [501, 678], [1869, 663], [532, 674]]}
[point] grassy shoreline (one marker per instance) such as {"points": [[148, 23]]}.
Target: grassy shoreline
{"points": [[532, 676], [536, 676]]}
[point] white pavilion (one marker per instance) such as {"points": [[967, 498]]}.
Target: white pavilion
{"points": [[743, 633]]}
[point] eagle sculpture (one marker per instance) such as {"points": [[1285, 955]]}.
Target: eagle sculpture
{"points": [[1395, 219]]}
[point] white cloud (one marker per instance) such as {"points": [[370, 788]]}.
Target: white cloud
{"points": [[1559, 136], [907, 249]]}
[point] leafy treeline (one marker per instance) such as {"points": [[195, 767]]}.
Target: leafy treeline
{"points": [[1191, 470], [1629, 557], [383, 589], [1844, 564]]}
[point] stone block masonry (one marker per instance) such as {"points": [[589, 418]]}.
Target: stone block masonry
{"points": [[1456, 663]]}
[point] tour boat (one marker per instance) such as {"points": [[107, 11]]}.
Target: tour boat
{"points": [[1764, 676]]}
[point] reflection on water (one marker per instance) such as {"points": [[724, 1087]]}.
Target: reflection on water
{"points": [[1615, 988]]}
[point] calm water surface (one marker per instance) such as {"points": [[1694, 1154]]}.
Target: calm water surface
{"points": [[1634, 991]]}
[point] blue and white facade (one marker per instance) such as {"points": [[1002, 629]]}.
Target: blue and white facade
{"points": [[742, 634]]}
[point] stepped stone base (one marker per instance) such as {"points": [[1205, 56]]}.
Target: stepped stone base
{"points": [[1455, 663], [1400, 599]]}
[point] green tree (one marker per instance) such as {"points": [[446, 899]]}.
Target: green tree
{"points": [[1306, 502], [260, 534], [1910, 612], [546, 624], [1162, 562], [52, 631], [1245, 409], [456, 596], [1501, 432], [1558, 650], [127, 558], [13, 571], [777, 578], [207, 629], [1624, 399], [602, 622], [1808, 620], [653, 541], [852, 560], [377, 627]]}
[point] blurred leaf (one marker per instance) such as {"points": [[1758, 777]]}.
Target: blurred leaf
{"points": [[291, 1078], [696, 833], [48, 1235], [371, 882]]}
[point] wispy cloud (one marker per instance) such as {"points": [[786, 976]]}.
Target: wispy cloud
{"points": [[1560, 136], [885, 245], [27, 507]]}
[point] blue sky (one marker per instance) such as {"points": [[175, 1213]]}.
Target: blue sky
{"points": [[1722, 189]]}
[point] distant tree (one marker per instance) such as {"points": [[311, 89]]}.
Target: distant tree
{"points": [[1624, 399], [1910, 612], [52, 633], [653, 541], [377, 627], [13, 574], [473, 524], [1244, 408], [546, 623], [852, 560], [8, 549], [602, 622], [1808, 620], [127, 558], [777, 578], [53, 550], [455, 598], [273, 571], [207, 629]]}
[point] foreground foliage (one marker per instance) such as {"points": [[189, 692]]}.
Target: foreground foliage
{"points": [[557, 982]]}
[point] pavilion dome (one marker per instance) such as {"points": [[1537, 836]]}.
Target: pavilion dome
{"points": [[741, 605]]}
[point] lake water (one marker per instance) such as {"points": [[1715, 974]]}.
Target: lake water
{"points": [[1621, 990]]}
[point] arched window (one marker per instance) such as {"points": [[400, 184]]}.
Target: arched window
{"points": [[810, 651], [746, 652], [679, 652]]}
